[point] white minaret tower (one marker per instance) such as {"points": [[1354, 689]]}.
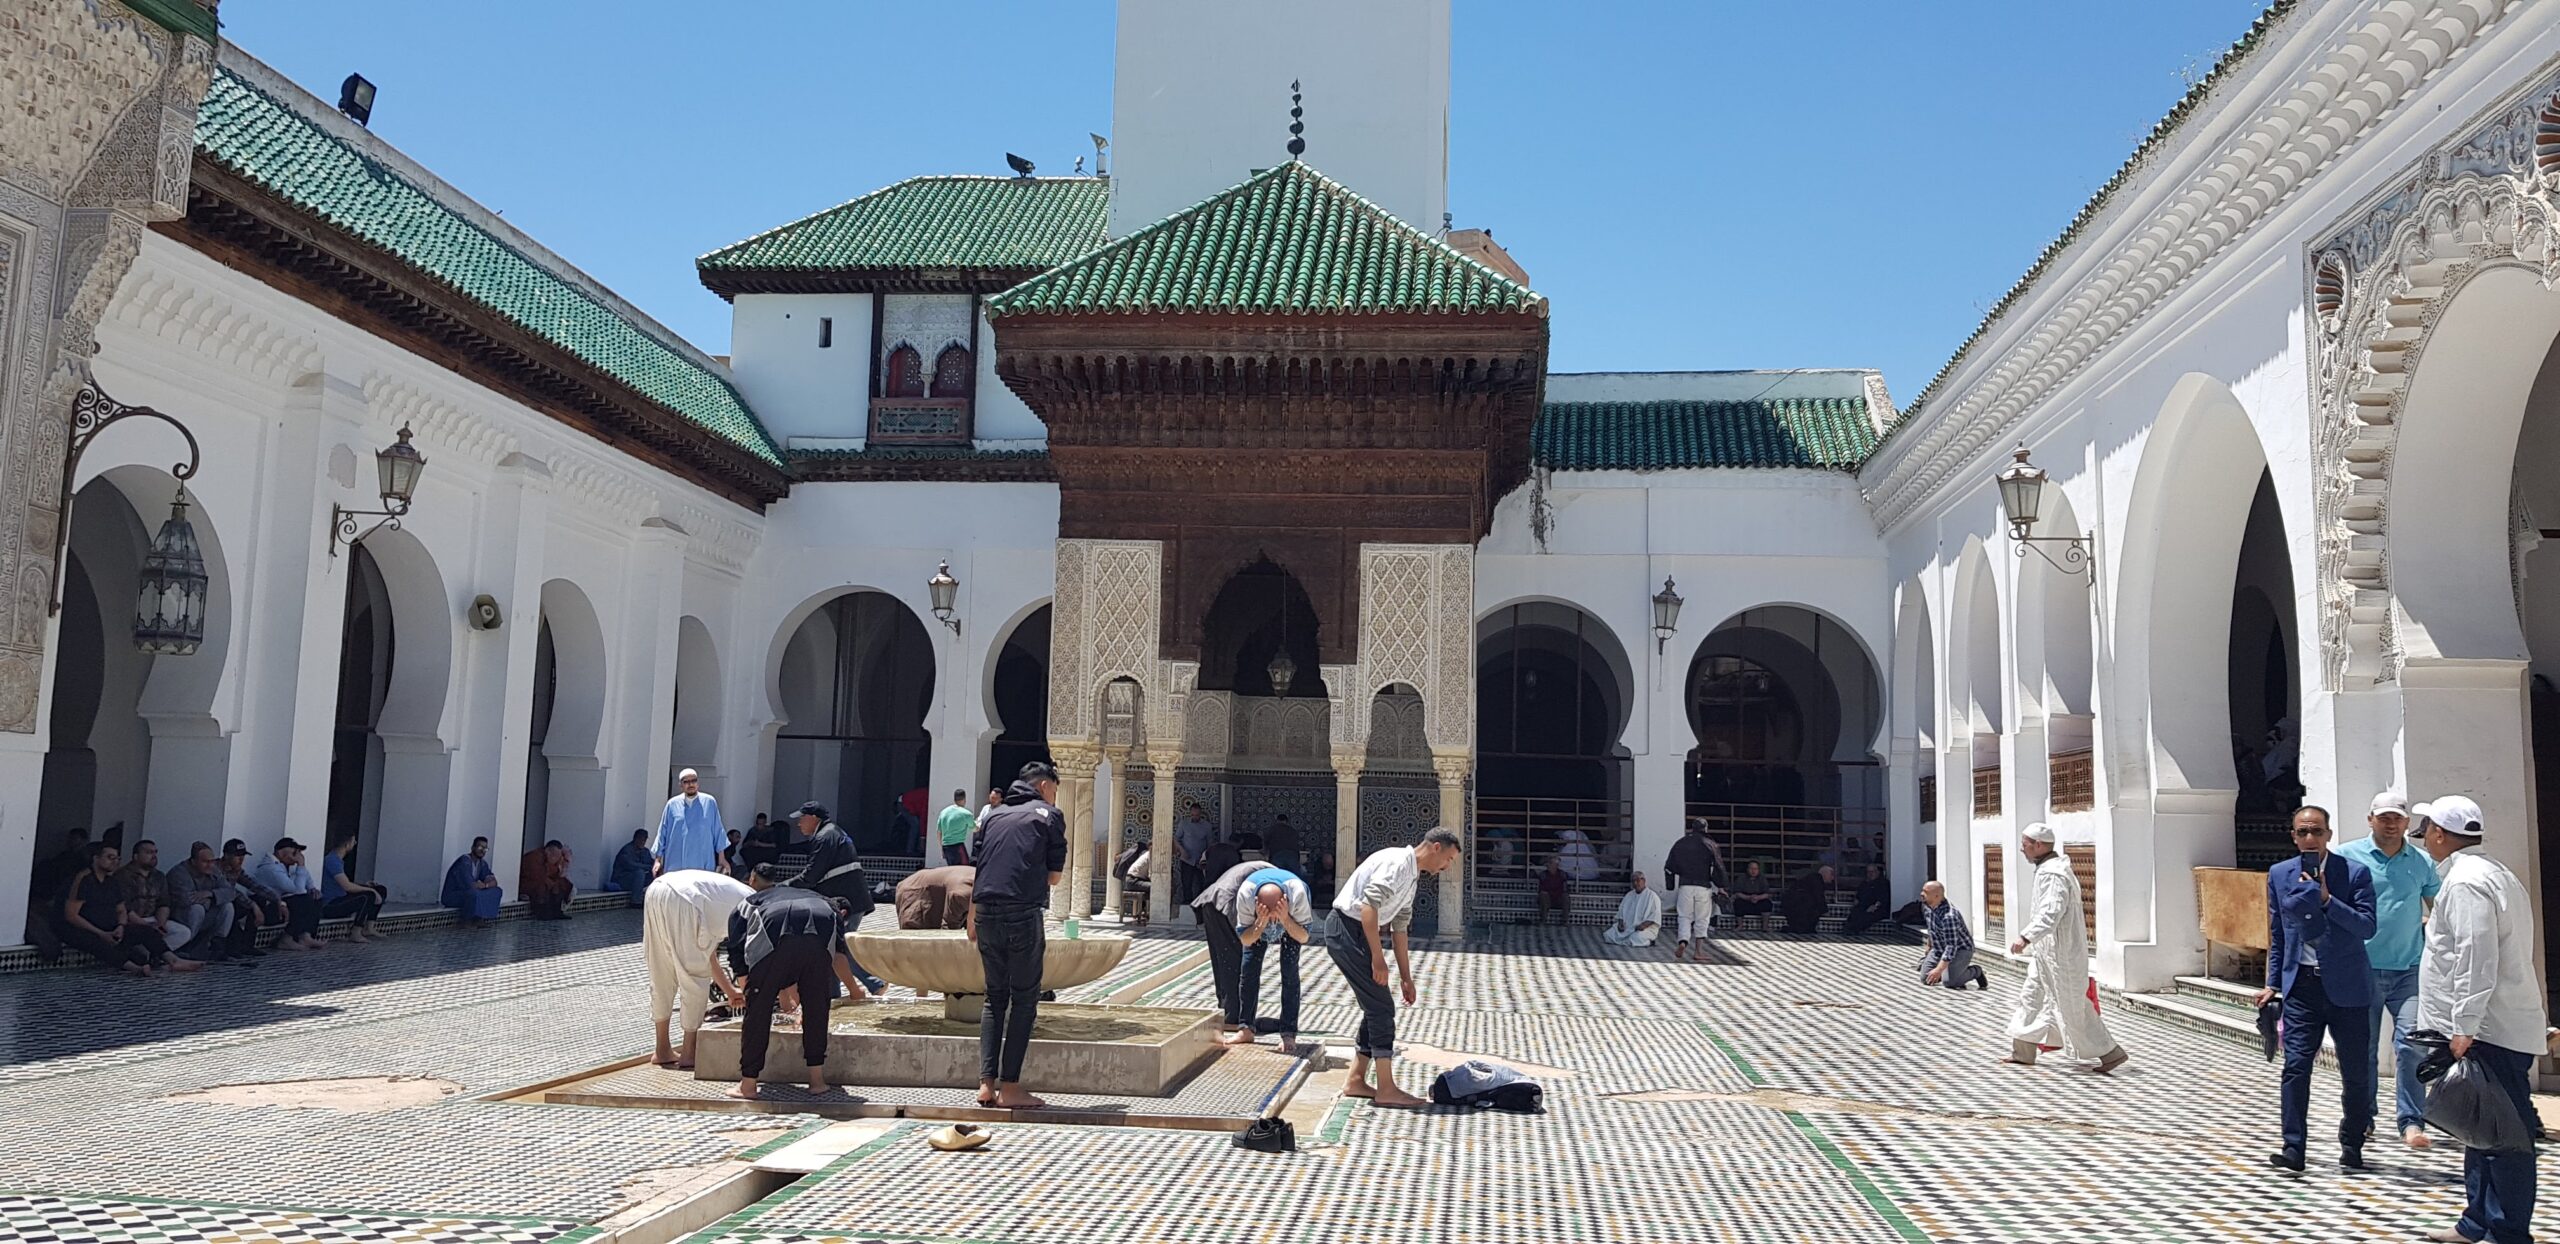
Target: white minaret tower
{"points": [[1201, 99]]}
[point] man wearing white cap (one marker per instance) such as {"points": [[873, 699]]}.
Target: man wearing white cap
{"points": [[2477, 986], [2054, 1009], [690, 834], [2404, 889]]}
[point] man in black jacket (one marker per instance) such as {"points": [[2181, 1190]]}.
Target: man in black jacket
{"points": [[782, 938], [1692, 872], [835, 870], [1021, 848]]}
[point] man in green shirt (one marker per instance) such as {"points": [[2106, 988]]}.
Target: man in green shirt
{"points": [[956, 824]]}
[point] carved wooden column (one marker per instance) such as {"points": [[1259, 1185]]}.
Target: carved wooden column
{"points": [[1452, 770], [1160, 873], [1346, 815], [1076, 761]]}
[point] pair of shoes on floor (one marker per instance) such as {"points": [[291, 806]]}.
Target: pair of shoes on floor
{"points": [[958, 1138], [2291, 1160]]}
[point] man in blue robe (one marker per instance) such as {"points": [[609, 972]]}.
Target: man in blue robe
{"points": [[634, 865], [471, 890], [690, 834]]}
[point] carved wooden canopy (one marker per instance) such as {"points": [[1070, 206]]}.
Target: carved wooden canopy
{"points": [[1293, 437]]}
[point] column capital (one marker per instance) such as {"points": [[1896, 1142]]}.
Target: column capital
{"points": [[1347, 766], [1075, 759], [1452, 767], [1164, 760]]}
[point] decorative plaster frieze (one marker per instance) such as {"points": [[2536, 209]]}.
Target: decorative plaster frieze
{"points": [[168, 306], [2258, 161], [2374, 286], [446, 424]]}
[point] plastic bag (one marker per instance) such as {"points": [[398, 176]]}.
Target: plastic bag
{"points": [[2469, 1106]]}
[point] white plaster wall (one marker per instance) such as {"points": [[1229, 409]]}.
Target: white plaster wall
{"points": [[1004, 420], [797, 388], [1200, 98]]}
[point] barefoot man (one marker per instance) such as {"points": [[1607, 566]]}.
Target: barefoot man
{"points": [[1271, 907], [783, 938], [683, 918], [1379, 896], [2053, 1004]]}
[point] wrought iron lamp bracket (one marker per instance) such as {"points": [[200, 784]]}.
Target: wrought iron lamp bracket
{"points": [[345, 529], [2074, 561], [91, 412]]}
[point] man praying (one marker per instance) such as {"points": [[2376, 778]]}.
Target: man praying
{"points": [[1639, 918]]}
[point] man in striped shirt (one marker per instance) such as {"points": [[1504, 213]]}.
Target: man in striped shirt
{"points": [[1950, 958]]}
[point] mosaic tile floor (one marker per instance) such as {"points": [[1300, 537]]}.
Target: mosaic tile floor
{"points": [[1787, 1091]]}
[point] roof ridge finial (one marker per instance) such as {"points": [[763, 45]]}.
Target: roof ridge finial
{"points": [[1297, 121]]}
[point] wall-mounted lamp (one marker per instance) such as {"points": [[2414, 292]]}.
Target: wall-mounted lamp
{"points": [[946, 594], [401, 464], [1666, 615], [168, 616], [2022, 487]]}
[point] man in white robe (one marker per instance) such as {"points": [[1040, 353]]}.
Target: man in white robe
{"points": [[1639, 917], [2054, 1009], [684, 917]]}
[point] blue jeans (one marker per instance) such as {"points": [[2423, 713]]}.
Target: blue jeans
{"points": [[2307, 1011], [1249, 980], [2498, 1187], [2399, 991]]}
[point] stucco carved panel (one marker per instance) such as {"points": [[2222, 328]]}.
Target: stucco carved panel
{"points": [[1417, 627], [2375, 285], [929, 322], [1105, 627]]}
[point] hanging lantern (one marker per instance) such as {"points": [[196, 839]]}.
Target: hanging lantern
{"points": [[2022, 494], [1666, 614], [1283, 671], [400, 463], [168, 618]]}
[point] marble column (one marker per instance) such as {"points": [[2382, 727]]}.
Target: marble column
{"points": [[1114, 829], [1165, 765], [1452, 770], [1346, 815], [1076, 762]]}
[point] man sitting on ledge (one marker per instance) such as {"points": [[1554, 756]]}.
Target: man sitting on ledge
{"points": [[471, 889], [545, 881]]}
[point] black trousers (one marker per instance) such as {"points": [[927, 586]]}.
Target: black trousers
{"points": [[808, 962], [363, 905], [108, 954], [1014, 949], [301, 915], [1226, 962], [1348, 943]]}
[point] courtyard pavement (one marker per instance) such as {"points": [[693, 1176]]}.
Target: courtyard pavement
{"points": [[1790, 1091]]}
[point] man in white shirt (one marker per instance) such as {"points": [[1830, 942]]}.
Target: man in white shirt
{"points": [[1639, 918], [1378, 895], [2477, 986]]}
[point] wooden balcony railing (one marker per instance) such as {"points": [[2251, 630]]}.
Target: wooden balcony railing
{"points": [[2075, 781], [919, 421]]}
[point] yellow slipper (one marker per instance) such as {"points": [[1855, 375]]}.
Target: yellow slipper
{"points": [[957, 1138]]}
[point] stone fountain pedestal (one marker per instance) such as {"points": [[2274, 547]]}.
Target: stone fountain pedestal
{"points": [[1075, 1048]]}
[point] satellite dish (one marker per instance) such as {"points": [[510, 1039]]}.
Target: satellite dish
{"points": [[1021, 167]]}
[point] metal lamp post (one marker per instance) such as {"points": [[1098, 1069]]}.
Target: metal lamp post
{"points": [[400, 464]]}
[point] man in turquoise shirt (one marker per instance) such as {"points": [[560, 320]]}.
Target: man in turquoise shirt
{"points": [[2404, 890], [956, 824]]}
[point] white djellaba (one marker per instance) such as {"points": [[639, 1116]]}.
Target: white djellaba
{"points": [[2053, 1003]]}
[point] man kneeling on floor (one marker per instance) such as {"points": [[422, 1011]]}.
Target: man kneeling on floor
{"points": [[1949, 960], [783, 938], [1271, 905]]}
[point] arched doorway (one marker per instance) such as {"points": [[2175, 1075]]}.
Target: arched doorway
{"points": [[1785, 705], [1554, 690], [368, 648], [1916, 730], [1260, 673], [99, 750], [564, 775], [856, 680], [2264, 689], [1020, 688], [694, 735]]}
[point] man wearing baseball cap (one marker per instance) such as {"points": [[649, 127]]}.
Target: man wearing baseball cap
{"points": [[2404, 889], [2477, 986]]}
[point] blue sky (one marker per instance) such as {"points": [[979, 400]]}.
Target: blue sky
{"points": [[1695, 184]]}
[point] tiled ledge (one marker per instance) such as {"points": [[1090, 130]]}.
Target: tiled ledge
{"points": [[23, 958]]}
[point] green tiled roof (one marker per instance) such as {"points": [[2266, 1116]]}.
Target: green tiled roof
{"points": [[1287, 241], [1824, 432], [934, 222], [291, 156]]}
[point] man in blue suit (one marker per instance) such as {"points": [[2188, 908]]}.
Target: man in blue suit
{"points": [[2319, 913]]}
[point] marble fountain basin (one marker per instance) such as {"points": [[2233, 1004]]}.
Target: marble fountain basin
{"points": [[946, 962], [1117, 1050]]}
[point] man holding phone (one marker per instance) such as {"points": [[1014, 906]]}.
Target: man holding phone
{"points": [[2320, 910]]}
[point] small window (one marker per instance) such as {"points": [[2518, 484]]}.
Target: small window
{"points": [[826, 332], [951, 373], [904, 373]]}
